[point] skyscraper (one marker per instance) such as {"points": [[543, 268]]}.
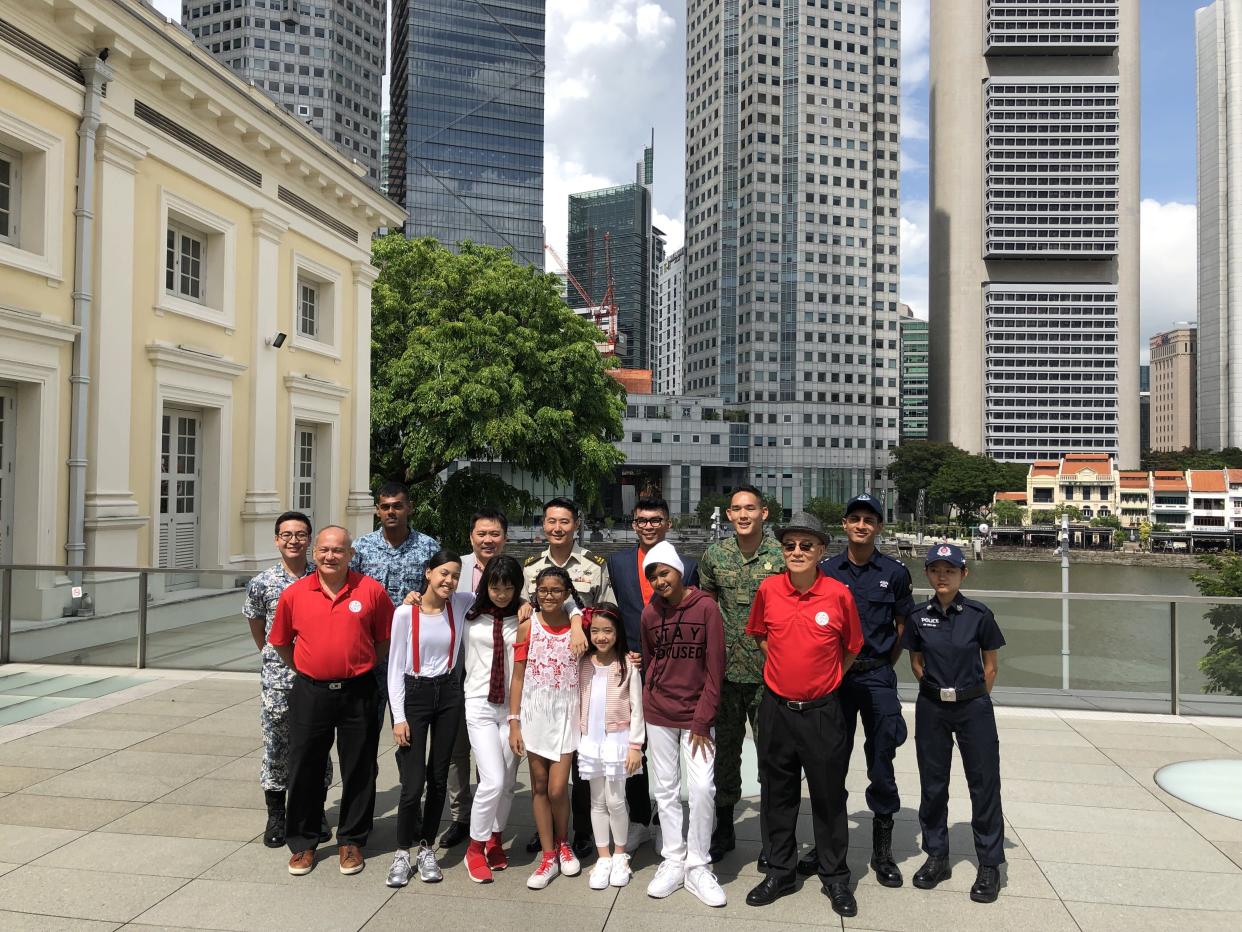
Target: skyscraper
{"points": [[466, 130], [792, 235], [913, 376], [1034, 300], [1219, 60], [1173, 365], [668, 357], [610, 232], [321, 61]]}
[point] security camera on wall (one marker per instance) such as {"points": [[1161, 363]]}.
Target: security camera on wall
{"points": [[277, 341]]}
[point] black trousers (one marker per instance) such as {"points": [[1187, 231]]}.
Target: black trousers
{"points": [[433, 710], [872, 696], [580, 802], [318, 716], [638, 796], [791, 742], [973, 723]]}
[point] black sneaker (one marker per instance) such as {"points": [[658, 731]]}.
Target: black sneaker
{"points": [[986, 887]]}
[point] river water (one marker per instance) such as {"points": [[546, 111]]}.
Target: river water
{"points": [[1114, 646]]}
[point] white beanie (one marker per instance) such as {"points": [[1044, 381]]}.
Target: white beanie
{"points": [[665, 553]]}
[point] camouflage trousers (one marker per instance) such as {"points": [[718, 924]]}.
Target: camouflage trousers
{"points": [[739, 703], [274, 720]]}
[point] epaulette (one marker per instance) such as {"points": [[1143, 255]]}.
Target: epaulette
{"points": [[531, 561], [598, 558]]}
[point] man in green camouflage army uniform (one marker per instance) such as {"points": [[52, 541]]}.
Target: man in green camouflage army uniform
{"points": [[293, 530], [731, 571]]}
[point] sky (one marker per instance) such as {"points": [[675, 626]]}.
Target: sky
{"points": [[615, 77]]}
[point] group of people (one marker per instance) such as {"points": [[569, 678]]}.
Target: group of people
{"points": [[619, 679]]}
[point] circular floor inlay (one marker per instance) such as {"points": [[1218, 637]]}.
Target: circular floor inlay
{"points": [[1214, 785]]}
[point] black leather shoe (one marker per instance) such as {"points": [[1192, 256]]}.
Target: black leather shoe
{"points": [[886, 870], [762, 863], [808, 864], [454, 835], [534, 844], [843, 902], [584, 846], [769, 891], [986, 887], [934, 870], [724, 839]]}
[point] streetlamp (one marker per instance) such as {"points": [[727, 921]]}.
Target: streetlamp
{"points": [[1065, 631]]}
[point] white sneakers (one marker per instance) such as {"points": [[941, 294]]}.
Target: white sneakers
{"points": [[702, 883], [601, 874], [621, 872], [548, 868], [670, 875]]}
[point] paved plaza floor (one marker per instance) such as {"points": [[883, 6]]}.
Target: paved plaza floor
{"points": [[140, 808]]}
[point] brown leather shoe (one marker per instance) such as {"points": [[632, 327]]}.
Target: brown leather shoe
{"points": [[302, 862], [351, 859]]}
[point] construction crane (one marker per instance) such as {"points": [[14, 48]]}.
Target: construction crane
{"points": [[603, 313]]}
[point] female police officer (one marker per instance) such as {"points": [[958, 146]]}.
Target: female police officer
{"points": [[953, 643]]}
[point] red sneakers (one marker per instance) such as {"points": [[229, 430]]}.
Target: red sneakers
{"points": [[476, 863], [497, 860]]}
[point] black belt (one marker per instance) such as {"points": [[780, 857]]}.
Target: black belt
{"points": [[339, 684], [802, 705], [950, 695], [864, 666], [411, 679]]}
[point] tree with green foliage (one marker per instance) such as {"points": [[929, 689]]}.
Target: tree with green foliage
{"points": [[1222, 664], [1074, 512], [1007, 514], [829, 512], [968, 482], [914, 465], [776, 508], [707, 504], [1191, 458], [475, 357]]}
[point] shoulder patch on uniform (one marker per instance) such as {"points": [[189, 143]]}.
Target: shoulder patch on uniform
{"points": [[531, 561], [598, 558]]}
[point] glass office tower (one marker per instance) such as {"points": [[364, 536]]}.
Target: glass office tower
{"points": [[466, 125]]}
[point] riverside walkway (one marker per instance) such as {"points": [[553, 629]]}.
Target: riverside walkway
{"points": [[139, 807]]}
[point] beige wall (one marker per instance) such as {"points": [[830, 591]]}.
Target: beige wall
{"points": [[1173, 389]]}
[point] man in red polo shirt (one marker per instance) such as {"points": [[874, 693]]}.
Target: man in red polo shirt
{"points": [[330, 627], [808, 630]]}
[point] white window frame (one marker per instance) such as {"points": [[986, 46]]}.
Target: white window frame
{"points": [[37, 244], [14, 160], [218, 302], [327, 284], [173, 264]]}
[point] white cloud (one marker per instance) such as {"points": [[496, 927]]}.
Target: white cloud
{"points": [[914, 239], [674, 230], [1168, 267], [562, 178], [915, 41], [653, 23]]}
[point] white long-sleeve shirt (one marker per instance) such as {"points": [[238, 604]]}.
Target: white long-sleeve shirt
{"points": [[433, 647]]}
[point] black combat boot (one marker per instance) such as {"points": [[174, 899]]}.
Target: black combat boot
{"points": [[724, 838], [274, 834], [886, 870]]}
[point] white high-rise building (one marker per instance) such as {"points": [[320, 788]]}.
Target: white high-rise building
{"points": [[792, 236], [668, 345], [1219, 59], [1034, 299]]}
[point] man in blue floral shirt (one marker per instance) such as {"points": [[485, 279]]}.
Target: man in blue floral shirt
{"points": [[395, 556], [293, 530]]}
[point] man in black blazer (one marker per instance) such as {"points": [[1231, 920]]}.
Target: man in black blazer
{"points": [[630, 587]]}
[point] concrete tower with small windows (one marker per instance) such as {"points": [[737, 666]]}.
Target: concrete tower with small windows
{"points": [[322, 60], [1034, 240], [792, 234]]}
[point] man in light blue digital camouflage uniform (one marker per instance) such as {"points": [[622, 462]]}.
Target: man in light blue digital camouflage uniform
{"points": [[293, 530]]}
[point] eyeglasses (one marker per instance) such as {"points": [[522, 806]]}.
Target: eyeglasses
{"points": [[300, 536], [648, 522], [806, 546], [549, 593]]}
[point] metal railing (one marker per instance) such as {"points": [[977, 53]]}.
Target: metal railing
{"points": [[103, 638]]}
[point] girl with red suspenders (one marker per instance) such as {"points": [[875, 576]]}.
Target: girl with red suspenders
{"points": [[425, 694]]}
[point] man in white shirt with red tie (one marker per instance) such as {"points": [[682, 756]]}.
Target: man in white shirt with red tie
{"points": [[489, 530]]}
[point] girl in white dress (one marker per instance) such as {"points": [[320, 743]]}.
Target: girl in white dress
{"points": [[543, 718], [610, 747]]}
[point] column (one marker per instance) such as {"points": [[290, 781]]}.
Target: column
{"points": [[262, 502], [113, 522], [360, 506]]}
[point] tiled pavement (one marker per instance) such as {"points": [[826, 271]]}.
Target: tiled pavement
{"points": [[141, 809]]}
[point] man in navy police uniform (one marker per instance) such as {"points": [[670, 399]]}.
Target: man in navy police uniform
{"points": [[882, 591]]}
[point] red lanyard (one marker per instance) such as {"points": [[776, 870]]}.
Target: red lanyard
{"points": [[415, 647]]}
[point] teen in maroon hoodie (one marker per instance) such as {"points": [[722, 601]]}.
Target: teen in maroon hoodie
{"points": [[683, 655]]}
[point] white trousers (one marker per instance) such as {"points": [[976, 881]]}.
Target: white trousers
{"points": [[668, 751], [488, 728], [609, 811]]}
